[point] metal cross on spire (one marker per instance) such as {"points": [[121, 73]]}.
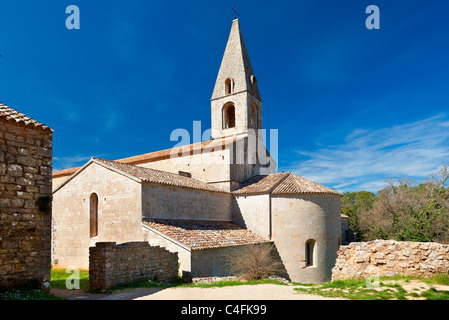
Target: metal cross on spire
{"points": [[235, 11]]}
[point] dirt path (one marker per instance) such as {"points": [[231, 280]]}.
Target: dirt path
{"points": [[243, 292]]}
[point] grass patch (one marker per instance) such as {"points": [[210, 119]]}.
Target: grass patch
{"points": [[26, 294], [442, 278], [356, 289], [433, 294], [59, 277], [235, 283]]}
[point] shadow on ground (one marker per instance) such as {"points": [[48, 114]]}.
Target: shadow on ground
{"points": [[128, 294]]}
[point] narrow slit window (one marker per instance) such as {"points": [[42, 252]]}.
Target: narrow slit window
{"points": [[310, 248], [93, 215]]}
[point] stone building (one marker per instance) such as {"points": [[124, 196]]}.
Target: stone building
{"points": [[204, 200], [25, 198]]}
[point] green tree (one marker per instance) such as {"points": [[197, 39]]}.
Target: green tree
{"points": [[353, 204], [408, 212]]}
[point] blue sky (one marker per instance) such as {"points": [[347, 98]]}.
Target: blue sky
{"points": [[353, 106]]}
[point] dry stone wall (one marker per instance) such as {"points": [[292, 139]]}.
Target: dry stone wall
{"points": [[111, 264], [390, 258], [25, 203]]}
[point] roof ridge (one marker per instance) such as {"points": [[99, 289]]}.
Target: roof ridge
{"points": [[279, 182], [300, 187], [156, 176], [146, 157]]}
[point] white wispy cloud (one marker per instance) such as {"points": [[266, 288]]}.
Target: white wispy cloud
{"points": [[61, 163], [367, 157]]}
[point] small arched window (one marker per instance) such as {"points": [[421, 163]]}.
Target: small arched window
{"points": [[254, 83], [93, 217], [229, 116], [254, 116], [310, 251], [229, 86]]}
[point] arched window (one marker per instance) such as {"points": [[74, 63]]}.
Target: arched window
{"points": [[93, 217], [254, 116], [310, 251], [229, 116], [229, 86], [254, 83]]}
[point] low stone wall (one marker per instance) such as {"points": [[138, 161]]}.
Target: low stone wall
{"points": [[390, 258], [111, 264]]}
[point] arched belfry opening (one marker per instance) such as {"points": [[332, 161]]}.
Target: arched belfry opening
{"points": [[229, 86], [93, 216], [254, 84], [229, 116]]}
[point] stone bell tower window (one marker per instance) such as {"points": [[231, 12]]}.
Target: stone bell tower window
{"points": [[93, 215], [254, 82], [229, 86], [229, 116]]}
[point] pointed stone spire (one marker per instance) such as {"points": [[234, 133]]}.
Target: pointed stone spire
{"points": [[236, 66]]}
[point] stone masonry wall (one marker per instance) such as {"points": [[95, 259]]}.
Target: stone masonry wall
{"points": [[169, 202], [25, 203], [119, 214], [111, 264], [390, 258]]}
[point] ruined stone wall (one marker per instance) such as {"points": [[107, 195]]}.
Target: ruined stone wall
{"points": [[389, 258], [25, 203], [111, 264], [161, 240]]}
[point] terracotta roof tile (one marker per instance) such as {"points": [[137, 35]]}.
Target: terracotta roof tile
{"points": [[282, 183], [211, 145], [162, 177], [200, 235], [260, 184], [208, 146], [10, 114], [296, 184]]}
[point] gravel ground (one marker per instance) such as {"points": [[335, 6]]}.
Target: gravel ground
{"points": [[243, 292]]}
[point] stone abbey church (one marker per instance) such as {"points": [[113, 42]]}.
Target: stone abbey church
{"points": [[200, 200]]}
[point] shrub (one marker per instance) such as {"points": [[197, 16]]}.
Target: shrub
{"points": [[254, 262]]}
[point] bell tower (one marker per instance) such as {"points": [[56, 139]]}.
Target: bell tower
{"points": [[236, 105]]}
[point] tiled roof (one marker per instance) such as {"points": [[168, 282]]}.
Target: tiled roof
{"points": [[10, 114], [295, 184], [282, 183], [211, 145], [260, 184], [162, 177], [208, 146], [200, 235]]}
